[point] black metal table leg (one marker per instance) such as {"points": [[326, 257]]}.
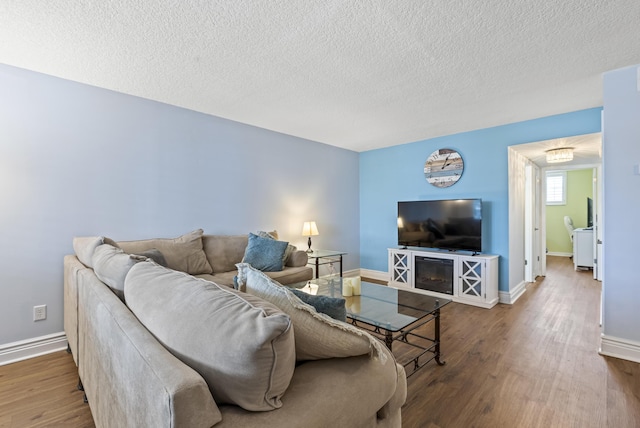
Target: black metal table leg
{"points": [[437, 337], [388, 339], [340, 265]]}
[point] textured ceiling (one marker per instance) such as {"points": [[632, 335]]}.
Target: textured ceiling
{"points": [[354, 74]]}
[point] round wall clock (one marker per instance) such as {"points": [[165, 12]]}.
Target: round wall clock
{"points": [[443, 168]]}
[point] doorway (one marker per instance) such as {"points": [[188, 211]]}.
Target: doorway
{"points": [[527, 204]]}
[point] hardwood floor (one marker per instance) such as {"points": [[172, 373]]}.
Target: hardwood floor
{"points": [[42, 392], [531, 364]]}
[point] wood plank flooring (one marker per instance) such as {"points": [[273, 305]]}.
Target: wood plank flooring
{"points": [[42, 392], [531, 364]]}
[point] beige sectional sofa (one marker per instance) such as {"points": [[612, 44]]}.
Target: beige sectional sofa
{"points": [[160, 347]]}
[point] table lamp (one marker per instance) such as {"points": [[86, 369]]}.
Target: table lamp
{"points": [[309, 229]]}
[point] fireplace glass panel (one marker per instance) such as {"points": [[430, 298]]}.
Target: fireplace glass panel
{"points": [[434, 274]]}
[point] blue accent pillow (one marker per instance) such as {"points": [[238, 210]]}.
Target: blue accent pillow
{"points": [[332, 306], [265, 254]]}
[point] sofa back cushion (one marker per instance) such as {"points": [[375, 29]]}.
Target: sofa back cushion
{"points": [[84, 246], [184, 253], [241, 345], [224, 251], [111, 265]]}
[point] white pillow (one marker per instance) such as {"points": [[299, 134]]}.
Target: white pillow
{"points": [[317, 336]]}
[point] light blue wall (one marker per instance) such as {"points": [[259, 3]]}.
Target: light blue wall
{"points": [[621, 154], [396, 173], [79, 160]]}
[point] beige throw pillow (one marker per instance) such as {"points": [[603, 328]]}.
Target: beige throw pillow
{"points": [[84, 246], [111, 265], [241, 345], [317, 336], [184, 253]]}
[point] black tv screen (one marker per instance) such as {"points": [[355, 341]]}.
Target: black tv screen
{"points": [[453, 224]]}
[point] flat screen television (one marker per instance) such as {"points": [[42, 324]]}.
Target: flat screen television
{"points": [[452, 224], [589, 212]]}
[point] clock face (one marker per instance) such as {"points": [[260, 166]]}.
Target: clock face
{"points": [[443, 168]]}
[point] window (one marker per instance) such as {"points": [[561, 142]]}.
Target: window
{"points": [[556, 188]]}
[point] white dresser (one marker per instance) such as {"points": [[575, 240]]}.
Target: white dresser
{"points": [[582, 248]]}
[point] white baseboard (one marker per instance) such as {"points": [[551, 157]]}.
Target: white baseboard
{"points": [[510, 297], [374, 274], [550, 253], [620, 348], [30, 348]]}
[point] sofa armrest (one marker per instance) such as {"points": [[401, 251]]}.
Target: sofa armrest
{"points": [[129, 378], [336, 392], [71, 268], [389, 415], [298, 258]]}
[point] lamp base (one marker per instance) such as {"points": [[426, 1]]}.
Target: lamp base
{"points": [[309, 243]]}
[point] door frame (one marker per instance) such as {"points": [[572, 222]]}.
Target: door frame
{"points": [[597, 191]]}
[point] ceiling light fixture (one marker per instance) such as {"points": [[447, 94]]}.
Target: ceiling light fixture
{"points": [[563, 154]]}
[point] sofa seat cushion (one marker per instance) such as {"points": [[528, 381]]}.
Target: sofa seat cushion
{"points": [[336, 392], [317, 336], [241, 345], [184, 253], [289, 275], [224, 278]]}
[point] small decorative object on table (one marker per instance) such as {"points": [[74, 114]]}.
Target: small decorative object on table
{"points": [[353, 283]]}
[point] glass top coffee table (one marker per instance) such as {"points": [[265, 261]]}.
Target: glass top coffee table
{"points": [[392, 314]]}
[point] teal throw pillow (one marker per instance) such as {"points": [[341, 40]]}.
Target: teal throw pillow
{"points": [[274, 235], [332, 306], [265, 254]]}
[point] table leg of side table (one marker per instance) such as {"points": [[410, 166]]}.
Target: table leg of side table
{"points": [[437, 337]]}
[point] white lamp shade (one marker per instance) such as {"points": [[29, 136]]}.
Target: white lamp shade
{"points": [[309, 228]]}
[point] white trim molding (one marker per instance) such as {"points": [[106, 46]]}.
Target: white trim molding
{"points": [[619, 348], [375, 274], [557, 254], [30, 348], [510, 297]]}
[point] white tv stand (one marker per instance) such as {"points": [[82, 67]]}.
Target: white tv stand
{"points": [[475, 278]]}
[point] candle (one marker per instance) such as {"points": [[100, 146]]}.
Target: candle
{"points": [[354, 305], [347, 289], [355, 284], [347, 281]]}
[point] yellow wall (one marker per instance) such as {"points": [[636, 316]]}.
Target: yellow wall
{"points": [[579, 187]]}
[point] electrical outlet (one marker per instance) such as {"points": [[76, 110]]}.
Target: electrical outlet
{"points": [[40, 312]]}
